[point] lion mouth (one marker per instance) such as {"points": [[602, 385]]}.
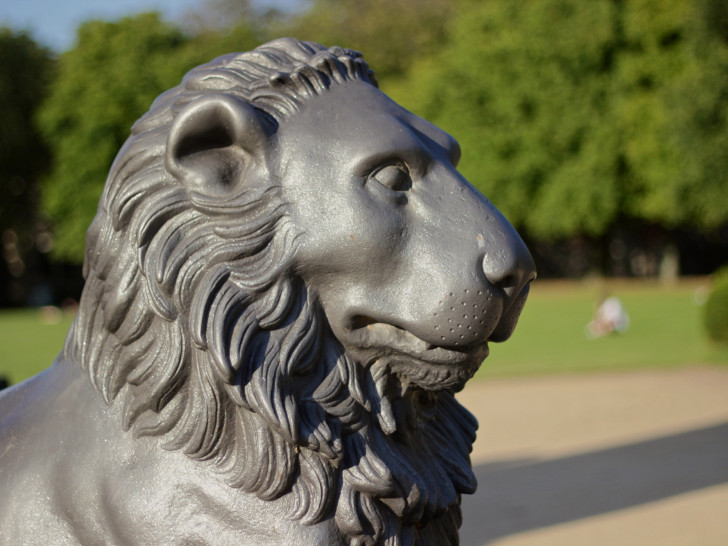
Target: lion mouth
{"points": [[416, 361], [509, 319], [369, 334]]}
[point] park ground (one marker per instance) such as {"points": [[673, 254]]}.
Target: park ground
{"points": [[619, 440], [629, 458]]}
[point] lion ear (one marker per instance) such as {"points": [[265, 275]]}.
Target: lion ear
{"points": [[213, 141]]}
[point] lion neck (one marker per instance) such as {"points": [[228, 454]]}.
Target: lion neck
{"points": [[408, 481], [295, 417]]}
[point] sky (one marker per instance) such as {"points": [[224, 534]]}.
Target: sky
{"points": [[54, 22]]}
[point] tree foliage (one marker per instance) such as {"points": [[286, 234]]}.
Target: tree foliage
{"points": [[672, 112], [26, 69], [391, 33], [715, 314], [104, 84], [573, 114], [25, 72]]}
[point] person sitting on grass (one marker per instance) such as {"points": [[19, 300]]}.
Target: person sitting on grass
{"points": [[609, 317]]}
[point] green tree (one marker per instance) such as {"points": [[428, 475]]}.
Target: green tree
{"points": [[524, 85], [104, 84], [390, 33], [672, 113], [25, 71], [698, 105], [226, 26], [574, 115]]}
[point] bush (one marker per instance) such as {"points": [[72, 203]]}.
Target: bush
{"points": [[716, 308]]}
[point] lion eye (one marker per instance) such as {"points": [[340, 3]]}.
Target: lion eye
{"points": [[394, 176]]}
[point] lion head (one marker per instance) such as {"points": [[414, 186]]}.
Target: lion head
{"points": [[287, 278]]}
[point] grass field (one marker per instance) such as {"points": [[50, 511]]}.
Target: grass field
{"points": [[665, 330], [30, 341]]}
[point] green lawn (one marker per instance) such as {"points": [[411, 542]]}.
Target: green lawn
{"points": [[666, 330], [29, 342]]}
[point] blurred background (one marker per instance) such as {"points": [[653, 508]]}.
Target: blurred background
{"points": [[599, 128]]}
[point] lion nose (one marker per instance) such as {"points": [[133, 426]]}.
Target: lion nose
{"points": [[510, 268]]}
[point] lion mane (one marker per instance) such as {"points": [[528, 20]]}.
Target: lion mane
{"points": [[194, 319]]}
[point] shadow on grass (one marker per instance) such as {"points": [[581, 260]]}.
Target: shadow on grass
{"points": [[522, 495]]}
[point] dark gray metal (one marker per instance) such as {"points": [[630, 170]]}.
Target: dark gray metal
{"points": [[286, 280]]}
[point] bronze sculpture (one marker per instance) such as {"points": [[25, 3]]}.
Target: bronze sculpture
{"points": [[286, 281]]}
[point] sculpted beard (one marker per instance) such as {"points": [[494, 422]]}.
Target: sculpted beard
{"points": [[349, 420]]}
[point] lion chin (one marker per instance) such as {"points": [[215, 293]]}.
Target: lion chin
{"points": [[416, 363], [286, 281]]}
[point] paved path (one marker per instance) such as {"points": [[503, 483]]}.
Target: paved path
{"points": [[636, 458]]}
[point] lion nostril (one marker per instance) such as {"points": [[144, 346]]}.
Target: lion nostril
{"points": [[511, 269], [498, 270]]}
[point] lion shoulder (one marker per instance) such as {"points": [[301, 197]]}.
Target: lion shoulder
{"points": [[71, 474]]}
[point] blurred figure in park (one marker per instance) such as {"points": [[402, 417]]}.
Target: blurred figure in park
{"points": [[609, 317]]}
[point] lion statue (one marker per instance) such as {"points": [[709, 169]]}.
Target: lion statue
{"points": [[286, 281]]}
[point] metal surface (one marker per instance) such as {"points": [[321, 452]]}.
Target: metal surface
{"points": [[286, 281]]}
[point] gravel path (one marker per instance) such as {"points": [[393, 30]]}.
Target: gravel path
{"points": [[635, 458]]}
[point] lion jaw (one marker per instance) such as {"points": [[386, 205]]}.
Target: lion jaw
{"points": [[414, 361]]}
